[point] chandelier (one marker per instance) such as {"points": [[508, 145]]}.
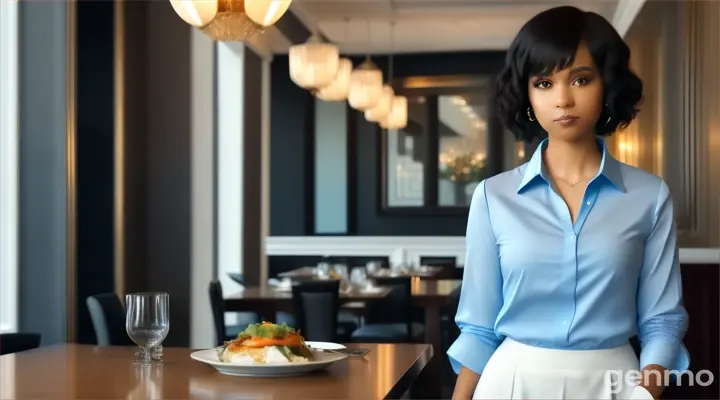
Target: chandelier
{"points": [[338, 90], [230, 20], [314, 64]]}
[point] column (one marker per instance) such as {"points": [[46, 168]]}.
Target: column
{"points": [[46, 167]]}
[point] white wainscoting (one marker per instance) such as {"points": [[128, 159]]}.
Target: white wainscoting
{"points": [[405, 249]]}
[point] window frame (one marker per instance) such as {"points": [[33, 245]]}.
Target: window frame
{"points": [[432, 87], [9, 167]]}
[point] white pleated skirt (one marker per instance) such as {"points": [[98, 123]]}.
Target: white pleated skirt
{"points": [[520, 371]]}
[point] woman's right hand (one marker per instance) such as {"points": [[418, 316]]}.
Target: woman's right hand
{"points": [[465, 384]]}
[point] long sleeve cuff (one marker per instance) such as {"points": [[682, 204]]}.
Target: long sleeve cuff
{"points": [[472, 351], [670, 354]]}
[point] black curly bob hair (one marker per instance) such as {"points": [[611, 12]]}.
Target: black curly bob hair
{"points": [[548, 43]]}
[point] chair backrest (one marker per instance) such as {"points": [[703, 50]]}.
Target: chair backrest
{"points": [[317, 304], [237, 278], [17, 342], [108, 318], [217, 303], [396, 307]]}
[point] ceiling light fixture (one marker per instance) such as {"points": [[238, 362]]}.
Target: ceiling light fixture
{"points": [[383, 107], [397, 119], [366, 86], [230, 20], [314, 64], [339, 89]]}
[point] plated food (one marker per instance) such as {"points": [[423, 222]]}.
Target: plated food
{"points": [[270, 350], [266, 343]]}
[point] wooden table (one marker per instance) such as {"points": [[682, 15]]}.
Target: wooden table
{"points": [[266, 301], [88, 372]]}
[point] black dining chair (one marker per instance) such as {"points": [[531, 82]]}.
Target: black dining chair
{"points": [[224, 332], [390, 320], [16, 342], [108, 318], [317, 305]]}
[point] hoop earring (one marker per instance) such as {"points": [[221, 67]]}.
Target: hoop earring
{"points": [[530, 115], [610, 117]]}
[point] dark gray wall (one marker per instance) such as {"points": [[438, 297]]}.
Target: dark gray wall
{"points": [[95, 158], [252, 165], [291, 153], [167, 164], [43, 224], [136, 152]]}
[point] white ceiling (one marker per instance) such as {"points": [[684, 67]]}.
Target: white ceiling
{"points": [[367, 26]]}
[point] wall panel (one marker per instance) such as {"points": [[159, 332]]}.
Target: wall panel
{"points": [[675, 51]]}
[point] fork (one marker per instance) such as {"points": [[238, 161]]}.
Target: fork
{"points": [[357, 352]]}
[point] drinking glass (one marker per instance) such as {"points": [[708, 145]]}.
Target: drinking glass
{"points": [[373, 267], [323, 270], [147, 323], [341, 270], [358, 277]]}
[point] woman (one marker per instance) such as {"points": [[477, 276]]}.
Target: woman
{"points": [[574, 252]]}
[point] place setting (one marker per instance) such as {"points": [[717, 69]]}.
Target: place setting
{"points": [[358, 279]]}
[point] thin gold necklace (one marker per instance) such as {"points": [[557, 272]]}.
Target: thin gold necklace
{"points": [[568, 182]]}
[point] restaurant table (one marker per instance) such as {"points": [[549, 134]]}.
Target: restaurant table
{"points": [[75, 371]]}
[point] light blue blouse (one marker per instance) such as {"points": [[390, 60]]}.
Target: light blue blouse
{"points": [[534, 276]]}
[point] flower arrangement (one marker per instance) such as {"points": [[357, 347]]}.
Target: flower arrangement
{"points": [[463, 168]]}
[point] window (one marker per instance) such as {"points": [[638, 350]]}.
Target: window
{"points": [[463, 140], [450, 144], [406, 157]]}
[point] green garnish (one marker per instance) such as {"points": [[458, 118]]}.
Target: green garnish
{"points": [[268, 331], [285, 351]]}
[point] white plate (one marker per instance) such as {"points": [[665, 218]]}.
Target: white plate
{"points": [[322, 360]]}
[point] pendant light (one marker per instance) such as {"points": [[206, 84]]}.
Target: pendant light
{"points": [[339, 89], [230, 20], [398, 116], [397, 119], [383, 107], [314, 64], [366, 84]]}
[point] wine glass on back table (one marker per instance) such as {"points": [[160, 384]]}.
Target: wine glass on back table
{"points": [[147, 322]]}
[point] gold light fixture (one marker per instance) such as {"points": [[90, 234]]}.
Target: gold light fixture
{"points": [[384, 106], [397, 119], [366, 86], [314, 64], [230, 20], [338, 90]]}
